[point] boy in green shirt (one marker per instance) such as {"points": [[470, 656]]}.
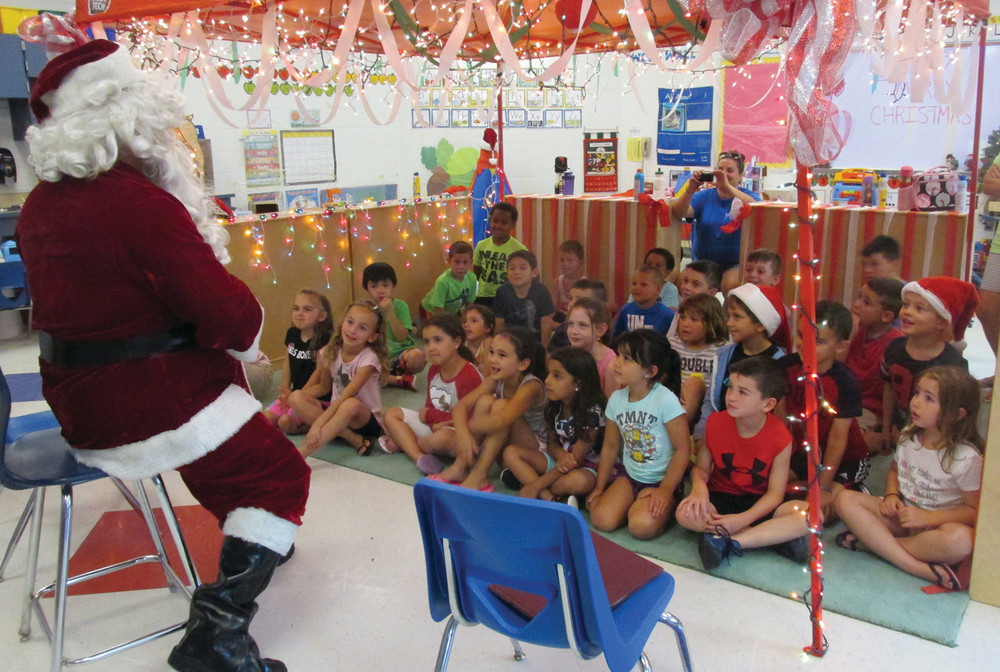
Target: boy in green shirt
{"points": [[456, 287], [405, 358], [490, 259]]}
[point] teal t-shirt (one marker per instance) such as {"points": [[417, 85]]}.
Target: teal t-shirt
{"points": [[646, 447], [395, 347], [492, 258], [450, 294]]}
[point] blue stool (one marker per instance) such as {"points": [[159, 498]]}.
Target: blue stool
{"points": [[41, 458]]}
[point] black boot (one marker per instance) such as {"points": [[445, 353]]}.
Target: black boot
{"points": [[217, 637]]}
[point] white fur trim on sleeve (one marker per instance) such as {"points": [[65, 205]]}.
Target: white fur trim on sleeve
{"points": [[261, 527], [250, 354], [207, 430]]}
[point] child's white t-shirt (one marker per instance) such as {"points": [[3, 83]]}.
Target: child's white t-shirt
{"points": [[343, 373], [924, 483]]}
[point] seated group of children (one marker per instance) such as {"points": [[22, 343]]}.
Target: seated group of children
{"points": [[707, 392]]}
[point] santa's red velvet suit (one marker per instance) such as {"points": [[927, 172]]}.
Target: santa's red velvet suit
{"points": [[115, 259]]}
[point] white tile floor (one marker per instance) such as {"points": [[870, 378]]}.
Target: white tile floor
{"points": [[354, 598]]}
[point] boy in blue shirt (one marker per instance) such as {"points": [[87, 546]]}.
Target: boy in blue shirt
{"points": [[645, 311]]}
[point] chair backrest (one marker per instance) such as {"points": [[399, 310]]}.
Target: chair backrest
{"points": [[515, 543], [13, 278]]}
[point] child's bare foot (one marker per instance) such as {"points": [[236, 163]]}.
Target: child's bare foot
{"points": [[456, 472], [477, 483]]}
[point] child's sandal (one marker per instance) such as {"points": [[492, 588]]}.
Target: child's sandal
{"points": [[848, 540], [946, 578]]}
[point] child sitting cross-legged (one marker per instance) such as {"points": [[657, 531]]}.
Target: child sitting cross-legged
{"points": [[523, 301], [508, 408], [430, 432], [842, 447], [739, 477], [575, 416], [647, 427], [925, 522]]}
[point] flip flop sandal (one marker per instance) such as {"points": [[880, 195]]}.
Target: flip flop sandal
{"points": [[365, 449], [947, 580], [430, 464], [437, 477], [849, 540]]}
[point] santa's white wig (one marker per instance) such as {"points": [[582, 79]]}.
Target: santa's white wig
{"points": [[131, 118]]}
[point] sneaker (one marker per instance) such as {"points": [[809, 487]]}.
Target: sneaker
{"points": [[508, 478], [716, 547], [387, 445], [406, 382], [573, 501], [796, 550]]}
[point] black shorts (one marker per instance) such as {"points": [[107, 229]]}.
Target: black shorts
{"points": [[638, 486], [371, 430], [850, 475], [726, 504]]}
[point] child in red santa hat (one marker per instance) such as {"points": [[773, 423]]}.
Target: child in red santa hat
{"points": [[142, 343], [935, 314]]}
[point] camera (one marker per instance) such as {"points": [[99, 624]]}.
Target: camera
{"points": [[706, 176]]}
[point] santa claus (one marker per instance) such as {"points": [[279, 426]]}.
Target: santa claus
{"points": [[143, 332]]}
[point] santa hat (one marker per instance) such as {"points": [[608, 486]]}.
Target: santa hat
{"points": [[64, 83], [954, 300], [767, 305], [489, 144]]}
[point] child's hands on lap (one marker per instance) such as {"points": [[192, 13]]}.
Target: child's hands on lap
{"points": [[694, 507], [911, 517], [890, 506], [566, 463], [594, 497]]}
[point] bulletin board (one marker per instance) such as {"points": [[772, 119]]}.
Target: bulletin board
{"points": [[684, 133], [308, 156], [600, 156]]}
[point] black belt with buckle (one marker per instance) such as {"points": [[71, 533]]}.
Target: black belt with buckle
{"points": [[55, 350]]}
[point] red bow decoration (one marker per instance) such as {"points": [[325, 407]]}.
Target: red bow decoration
{"points": [[656, 210], [735, 225]]}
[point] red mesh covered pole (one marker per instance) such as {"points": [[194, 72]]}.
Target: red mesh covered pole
{"points": [[807, 326]]}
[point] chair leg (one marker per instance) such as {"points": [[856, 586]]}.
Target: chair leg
{"points": [[15, 538], [62, 576], [447, 639], [518, 651], [644, 662], [168, 512], [154, 533], [30, 572], [678, 628]]}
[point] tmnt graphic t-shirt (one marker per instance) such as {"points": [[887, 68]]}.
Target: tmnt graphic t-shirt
{"points": [[646, 447]]}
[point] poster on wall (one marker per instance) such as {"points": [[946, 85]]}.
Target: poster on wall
{"points": [[261, 158], [308, 156], [684, 131], [270, 197], [754, 111], [301, 198], [600, 156]]}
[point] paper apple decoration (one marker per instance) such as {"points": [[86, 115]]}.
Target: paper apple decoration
{"points": [[569, 14]]}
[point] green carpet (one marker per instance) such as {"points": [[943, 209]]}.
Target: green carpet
{"points": [[859, 585]]}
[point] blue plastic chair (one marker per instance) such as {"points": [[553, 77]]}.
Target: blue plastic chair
{"points": [[14, 293], [473, 540], [39, 458]]}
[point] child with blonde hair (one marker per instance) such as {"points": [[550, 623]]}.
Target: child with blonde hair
{"points": [[699, 335], [586, 327], [350, 367], [924, 524]]}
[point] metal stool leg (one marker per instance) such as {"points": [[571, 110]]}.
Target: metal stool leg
{"points": [[168, 512], [15, 538], [32, 568], [447, 639], [62, 576], [518, 651], [678, 628], [173, 581]]}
